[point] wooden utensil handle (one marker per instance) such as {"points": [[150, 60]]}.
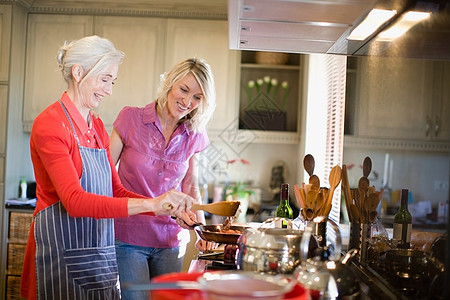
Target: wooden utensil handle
{"points": [[167, 206], [347, 193], [196, 207]]}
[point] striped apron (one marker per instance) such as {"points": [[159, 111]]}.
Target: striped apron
{"points": [[75, 257]]}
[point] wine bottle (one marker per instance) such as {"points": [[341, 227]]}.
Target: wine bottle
{"points": [[284, 210], [403, 223]]}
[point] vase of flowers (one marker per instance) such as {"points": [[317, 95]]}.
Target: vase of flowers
{"points": [[266, 108]]}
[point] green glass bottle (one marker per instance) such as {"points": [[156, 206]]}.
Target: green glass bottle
{"points": [[284, 210], [403, 223]]}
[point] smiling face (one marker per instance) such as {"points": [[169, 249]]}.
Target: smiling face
{"points": [[95, 87], [184, 97]]}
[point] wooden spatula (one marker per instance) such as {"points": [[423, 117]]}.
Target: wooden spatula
{"points": [[222, 208]]}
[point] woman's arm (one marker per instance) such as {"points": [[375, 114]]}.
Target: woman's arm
{"points": [[190, 185], [115, 145]]}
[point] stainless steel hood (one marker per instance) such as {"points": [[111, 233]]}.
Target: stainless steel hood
{"points": [[322, 26]]}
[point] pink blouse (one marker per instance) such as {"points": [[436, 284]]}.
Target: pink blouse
{"points": [[148, 168]]}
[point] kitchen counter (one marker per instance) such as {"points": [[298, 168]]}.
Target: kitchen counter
{"points": [[373, 285]]}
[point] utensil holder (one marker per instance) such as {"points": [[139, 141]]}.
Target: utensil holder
{"points": [[359, 237]]}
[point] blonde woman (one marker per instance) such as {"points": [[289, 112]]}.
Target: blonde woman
{"points": [[156, 145]]}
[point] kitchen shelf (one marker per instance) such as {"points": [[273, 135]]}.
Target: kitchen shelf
{"points": [[268, 111], [355, 142]]}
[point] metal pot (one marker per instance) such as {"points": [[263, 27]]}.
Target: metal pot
{"points": [[326, 275], [215, 233], [270, 250], [406, 264]]}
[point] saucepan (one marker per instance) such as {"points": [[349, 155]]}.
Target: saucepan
{"points": [[217, 233], [406, 264]]}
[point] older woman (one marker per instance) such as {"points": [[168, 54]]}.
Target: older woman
{"points": [[156, 145], [71, 241]]}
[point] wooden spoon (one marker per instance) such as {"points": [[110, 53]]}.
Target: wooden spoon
{"points": [[309, 214], [367, 166], [373, 216], [372, 201], [346, 189], [333, 179], [299, 196], [355, 196], [222, 208], [363, 186], [311, 197], [319, 205], [326, 209], [355, 213], [314, 181], [309, 164]]}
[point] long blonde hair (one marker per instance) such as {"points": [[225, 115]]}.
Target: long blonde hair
{"points": [[198, 118]]}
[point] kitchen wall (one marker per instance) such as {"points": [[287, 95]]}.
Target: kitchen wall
{"points": [[423, 173], [389, 106], [261, 158]]}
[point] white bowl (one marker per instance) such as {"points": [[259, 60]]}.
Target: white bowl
{"points": [[226, 285]]}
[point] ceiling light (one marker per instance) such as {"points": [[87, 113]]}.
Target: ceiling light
{"points": [[406, 21], [371, 23]]}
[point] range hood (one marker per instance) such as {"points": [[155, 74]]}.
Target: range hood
{"points": [[322, 26]]}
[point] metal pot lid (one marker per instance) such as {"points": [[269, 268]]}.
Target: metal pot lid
{"points": [[272, 238]]}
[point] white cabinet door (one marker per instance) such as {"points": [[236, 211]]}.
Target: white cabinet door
{"points": [[138, 77], [44, 83], [441, 103], [5, 34], [395, 97], [3, 119], [207, 39]]}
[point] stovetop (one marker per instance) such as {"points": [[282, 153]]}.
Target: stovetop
{"points": [[215, 261]]}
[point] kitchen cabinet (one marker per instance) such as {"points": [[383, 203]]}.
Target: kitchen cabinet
{"points": [[5, 34], [43, 80], [394, 100], [138, 77], [139, 38], [151, 45], [394, 97], [3, 119], [3, 124], [441, 102], [207, 39]]}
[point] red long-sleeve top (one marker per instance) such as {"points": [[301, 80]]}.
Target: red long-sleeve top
{"points": [[57, 167]]}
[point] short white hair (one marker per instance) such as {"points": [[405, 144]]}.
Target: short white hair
{"points": [[93, 53]]}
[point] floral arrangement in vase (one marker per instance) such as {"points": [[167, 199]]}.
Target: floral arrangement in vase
{"points": [[268, 88]]}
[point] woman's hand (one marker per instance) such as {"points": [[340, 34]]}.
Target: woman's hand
{"points": [[187, 220], [171, 203]]}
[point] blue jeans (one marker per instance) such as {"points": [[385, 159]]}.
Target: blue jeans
{"points": [[139, 265]]}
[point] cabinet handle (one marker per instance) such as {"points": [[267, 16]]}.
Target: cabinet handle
{"points": [[437, 125], [428, 126]]}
